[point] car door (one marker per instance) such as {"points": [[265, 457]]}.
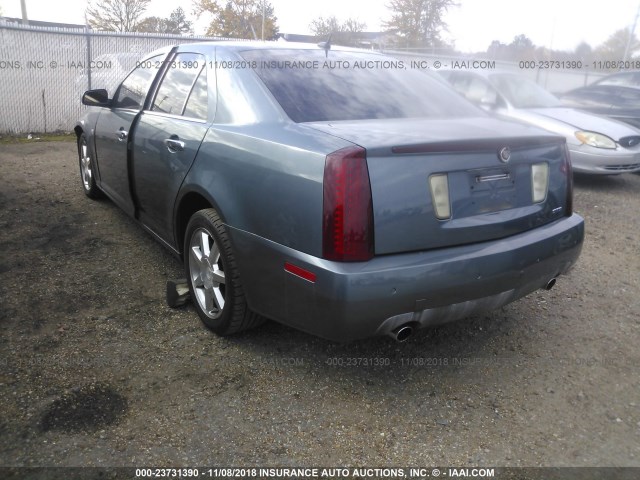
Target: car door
{"points": [[112, 132], [167, 138]]}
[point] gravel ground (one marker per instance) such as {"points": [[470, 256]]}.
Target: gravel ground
{"points": [[95, 369]]}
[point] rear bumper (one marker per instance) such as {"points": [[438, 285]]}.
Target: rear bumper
{"points": [[348, 301]]}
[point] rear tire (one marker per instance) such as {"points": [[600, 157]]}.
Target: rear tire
{"points": [[87, 169], [212, 274]]}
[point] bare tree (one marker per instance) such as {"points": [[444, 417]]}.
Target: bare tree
{"points": [[344, 33], [323, 27], [239, 18], [583, 52], [615, 46], [152, 25], [177, 23], [116, 15], [418, 23], [352, 25], [521, 43]]}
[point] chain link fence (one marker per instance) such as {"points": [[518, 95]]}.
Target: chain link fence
{"points": [[44, 71]]}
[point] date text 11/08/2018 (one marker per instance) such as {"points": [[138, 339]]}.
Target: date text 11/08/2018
{"points": [[579, 65], [326, 64], [304, 473]]}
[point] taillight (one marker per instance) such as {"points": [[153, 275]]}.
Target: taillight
{"points": [[347, 219], [439, 186], [568, 171], [539, 181]]}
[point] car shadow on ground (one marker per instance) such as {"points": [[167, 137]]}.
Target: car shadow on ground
{"points": [[456, 347]]}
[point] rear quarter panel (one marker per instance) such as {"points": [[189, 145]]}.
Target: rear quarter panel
{"points": [[266, 180], [261, 171]]}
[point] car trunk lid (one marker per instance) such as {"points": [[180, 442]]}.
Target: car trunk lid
{"points": [[489, 198]]}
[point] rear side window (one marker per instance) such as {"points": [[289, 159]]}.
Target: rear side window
{"points": [[133, 90], [591, 96], [353, 86], [198, 101], [179, 82]]}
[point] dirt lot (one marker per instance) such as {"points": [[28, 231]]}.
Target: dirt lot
{"points": [[95, 369]]}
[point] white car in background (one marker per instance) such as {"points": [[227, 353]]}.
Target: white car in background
{"points": [[597, 145]]}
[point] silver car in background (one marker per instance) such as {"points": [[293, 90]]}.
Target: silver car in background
{"points": [[597, 144]]}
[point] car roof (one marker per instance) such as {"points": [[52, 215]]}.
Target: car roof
{"points": [[272, 45], [608, 88], [239, 45], [486, 74]]}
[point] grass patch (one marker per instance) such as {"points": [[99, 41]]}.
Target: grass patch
{"points": [[38, 137]]}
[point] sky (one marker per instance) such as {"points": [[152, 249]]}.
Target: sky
{"points": [[557, 24]]}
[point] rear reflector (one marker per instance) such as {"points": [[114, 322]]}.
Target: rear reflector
{"points": [[568, 171], [300, 272], [439, 185], [347, 217], [539, 181]]}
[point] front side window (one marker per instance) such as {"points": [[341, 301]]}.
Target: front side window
{"points": [[179, 83], [133, 90]]}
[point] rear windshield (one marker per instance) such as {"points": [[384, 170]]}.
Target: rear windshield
{"points": [[353, 86]]}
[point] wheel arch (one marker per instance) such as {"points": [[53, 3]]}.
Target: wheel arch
{"points": [[190, 202]]}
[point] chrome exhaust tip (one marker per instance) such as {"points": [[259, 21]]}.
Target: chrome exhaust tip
{"points": [[550, 284], [402, 333]]}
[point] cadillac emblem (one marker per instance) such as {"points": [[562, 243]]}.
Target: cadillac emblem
{"points": [[504, 154]]}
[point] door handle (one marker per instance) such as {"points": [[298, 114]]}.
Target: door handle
{"points": [[122, 134], [174, 145]]}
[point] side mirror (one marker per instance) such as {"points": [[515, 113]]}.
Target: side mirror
{"points": [[96, 98]]}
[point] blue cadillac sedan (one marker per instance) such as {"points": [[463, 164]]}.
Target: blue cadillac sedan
{"points": [[331, 189]]}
